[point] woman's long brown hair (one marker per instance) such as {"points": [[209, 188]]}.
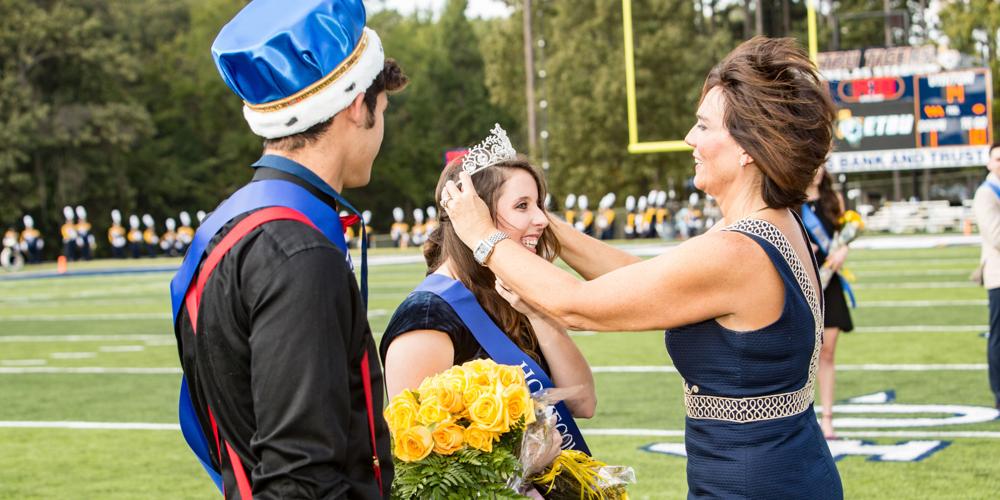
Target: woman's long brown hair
{"points": [[829, 202], [444, 244]]}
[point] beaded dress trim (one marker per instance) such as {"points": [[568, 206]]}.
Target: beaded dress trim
{"points": [[772, 406]]}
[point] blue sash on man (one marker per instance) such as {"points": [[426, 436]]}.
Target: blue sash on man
{"points": [[993, 186], [256, 195], [822, 239], [501, 349]]}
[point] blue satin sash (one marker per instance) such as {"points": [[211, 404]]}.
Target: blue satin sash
{"points": [[822, 239], [501, 349], [994, 186], [256, 195]]}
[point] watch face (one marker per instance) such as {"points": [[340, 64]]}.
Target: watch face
{"points": [[481, 252]]}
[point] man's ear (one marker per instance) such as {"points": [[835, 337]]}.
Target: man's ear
{"points": [[357, 111]]}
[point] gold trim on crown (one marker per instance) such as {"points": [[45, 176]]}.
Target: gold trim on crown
{"points": [[319, 85]]}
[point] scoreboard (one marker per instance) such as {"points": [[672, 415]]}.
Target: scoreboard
{"points": [[910, 122]]}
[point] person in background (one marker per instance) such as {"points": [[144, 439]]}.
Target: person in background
{"points": [[116, 235], [31, 241], [185, 233], [134, 236], [85, 241], [150, 240], [822, 216], [986, 205], [400, 230], [71, 249]]}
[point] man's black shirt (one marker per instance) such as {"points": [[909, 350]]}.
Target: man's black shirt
{"points": [[277, 358]]}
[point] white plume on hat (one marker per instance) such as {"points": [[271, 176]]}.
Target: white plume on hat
{"points": [[81, 213], [418, 215], [582, 202], [133, 221], [185, 219], [171, 225], [147, 220], [68, 212], [630, 203], [29, 222], [367, 216], [432, 212], [397, 214], [570, 201], [116, 216]]}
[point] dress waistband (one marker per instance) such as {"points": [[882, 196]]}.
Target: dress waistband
{"points": [[745, 410]]}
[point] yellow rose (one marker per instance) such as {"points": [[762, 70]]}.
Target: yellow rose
{"points": [[428, 385], [451, 400], [448, 438], [471, 394], [489, 413], [510, 375], [454, 380], [414, 444], [518, 402], [401, 413], [431, 411], [479, 438]]}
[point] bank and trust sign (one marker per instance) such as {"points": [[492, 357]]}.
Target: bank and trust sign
{"points": [[936, 120]]}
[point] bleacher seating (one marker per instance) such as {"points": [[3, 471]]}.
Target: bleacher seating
{"points": [[934, 216]]}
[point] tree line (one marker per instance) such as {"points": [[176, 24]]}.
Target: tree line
{"points": [[117, 103]]}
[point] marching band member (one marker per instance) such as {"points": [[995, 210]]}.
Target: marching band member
{"points": [[134, 236], [606, 217], [366, 216], [31, 241], [663, 229], [418, 234], [168, 240], [86, 242], [185, 233], [570, 213], [116, 235], [400, 230], [432, 220], [630, 217], [68, 231], [149, 237], [649, 216], [586, 223]]}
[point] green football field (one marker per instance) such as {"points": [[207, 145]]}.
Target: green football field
{"points": [[89, 380]]}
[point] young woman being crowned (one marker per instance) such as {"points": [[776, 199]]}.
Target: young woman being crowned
{"points": [[457, 314]]}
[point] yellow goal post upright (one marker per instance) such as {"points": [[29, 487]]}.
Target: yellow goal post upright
{"points": [[636, 147]]}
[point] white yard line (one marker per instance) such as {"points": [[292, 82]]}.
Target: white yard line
{"points": [[20, 370], [22, 362], [850, 368], [922, 328], [96, 370], [921, 303], [87, 338], [914, 285], [72, 355], [374, 313], [674, 433], [871, 434], [118, 426], [121, 348]]}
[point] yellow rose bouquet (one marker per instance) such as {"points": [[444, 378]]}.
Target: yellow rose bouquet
{"points": [[460, 433]]}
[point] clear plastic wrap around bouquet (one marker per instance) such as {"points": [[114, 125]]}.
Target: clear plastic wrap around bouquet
{"points": [[474, 431], [852, 227]]}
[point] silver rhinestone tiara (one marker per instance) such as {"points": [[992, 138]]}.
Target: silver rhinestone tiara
{"points": [[494, 149]]}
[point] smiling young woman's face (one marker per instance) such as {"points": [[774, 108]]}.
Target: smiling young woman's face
{"points": [[518, 212]]}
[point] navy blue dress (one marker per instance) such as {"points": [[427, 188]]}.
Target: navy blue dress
{"points": [[750, 430]]}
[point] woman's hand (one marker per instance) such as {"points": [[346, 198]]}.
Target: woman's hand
{"points": [[836, 260], [515, 300], [468, 212]]}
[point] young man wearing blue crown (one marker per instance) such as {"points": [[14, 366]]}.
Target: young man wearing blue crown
{"points": [[283, 393]]}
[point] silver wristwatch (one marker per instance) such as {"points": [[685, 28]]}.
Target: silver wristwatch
{"points": [[485, 247]]}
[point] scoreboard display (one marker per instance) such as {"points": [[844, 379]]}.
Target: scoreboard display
{"points": [[912, 122]]}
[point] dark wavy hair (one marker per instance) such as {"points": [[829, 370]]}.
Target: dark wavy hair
{"points": [[444, 244], [779, 111]]}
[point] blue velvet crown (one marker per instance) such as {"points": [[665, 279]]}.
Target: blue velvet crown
{"points": [[297, 63]]}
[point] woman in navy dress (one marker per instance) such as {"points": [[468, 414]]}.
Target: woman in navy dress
{"points": [[740, 304]]}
